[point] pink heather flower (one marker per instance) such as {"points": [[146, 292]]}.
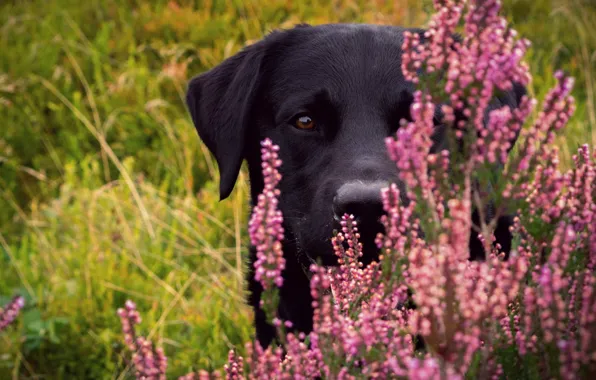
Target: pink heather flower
{"points": [[412, 145], [488, 58], [150, 363], [551, 309], [129, 317], [430, 368], [399, 227], [265, 226], [558, 107], [235, 367], [376, 325], [201, 375], [503, 126], [349, 281], [300, 362], [581, 181], [545, 195], [9, 313], [264, 363]]}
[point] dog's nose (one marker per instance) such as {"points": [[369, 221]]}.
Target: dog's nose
{"points": [[361, 199]]}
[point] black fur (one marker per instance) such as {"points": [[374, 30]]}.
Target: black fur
{"points": [[348, 78]]}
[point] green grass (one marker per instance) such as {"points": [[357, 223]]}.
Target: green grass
{"points": [[106, 192]]}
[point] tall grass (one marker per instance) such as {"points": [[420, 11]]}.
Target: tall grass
{"points": [[106, 192]]}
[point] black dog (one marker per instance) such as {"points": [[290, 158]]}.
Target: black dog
{"points": [[328, 96]]}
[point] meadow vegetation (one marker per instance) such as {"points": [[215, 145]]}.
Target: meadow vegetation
{"points": [[106, 192]]}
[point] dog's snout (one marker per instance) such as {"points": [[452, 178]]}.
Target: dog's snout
{"points": [[361, 199]]}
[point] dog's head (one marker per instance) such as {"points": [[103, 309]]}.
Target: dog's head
{"points": [[328, 95]]}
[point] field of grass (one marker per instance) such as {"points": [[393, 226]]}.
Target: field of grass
{"points": [[106, 193]]}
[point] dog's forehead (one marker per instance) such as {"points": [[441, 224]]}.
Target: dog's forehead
{"points": [[340, 57]]}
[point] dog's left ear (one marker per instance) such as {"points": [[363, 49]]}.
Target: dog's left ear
{"points": [[220, 103]]}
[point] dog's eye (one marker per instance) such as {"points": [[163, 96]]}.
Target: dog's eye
{"points": [[304, 122]]}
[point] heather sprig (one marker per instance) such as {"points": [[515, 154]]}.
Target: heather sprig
{"points": [[10, 311], [559, 302], [235, 367], [150, 363], [266, 231], [202, 375]]}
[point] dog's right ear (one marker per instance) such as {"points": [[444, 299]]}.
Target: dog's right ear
{"points": [[220, 102]]}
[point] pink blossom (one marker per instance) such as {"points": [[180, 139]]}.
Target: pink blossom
{"points": [[9, 313], [265, 226], [150, 363]]}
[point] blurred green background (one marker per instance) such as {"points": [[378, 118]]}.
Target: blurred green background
{"points": [[106, 192]]}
